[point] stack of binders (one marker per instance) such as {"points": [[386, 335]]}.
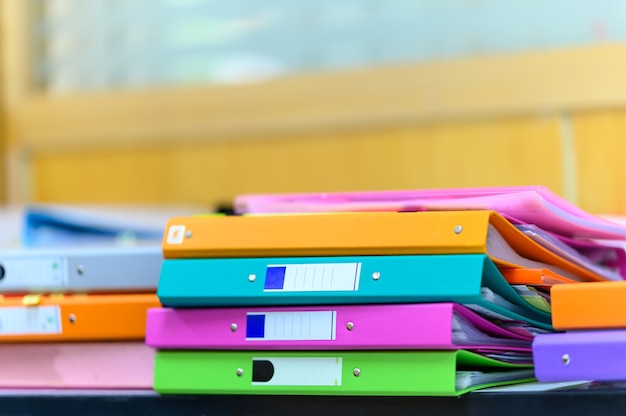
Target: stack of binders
{"points": [[74, 318], [353, 303], [593, 316]]}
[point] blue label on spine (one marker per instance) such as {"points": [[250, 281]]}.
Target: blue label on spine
{"points": [[255, 326], [275, 277]]}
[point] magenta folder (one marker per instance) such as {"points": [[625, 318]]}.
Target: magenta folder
{"points": [[581, 355], [520, 204], [356, 327], [84, 365]]}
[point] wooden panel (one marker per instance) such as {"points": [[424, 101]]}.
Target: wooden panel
{"points": [[601, 155], [502, 85], [505, 152]]}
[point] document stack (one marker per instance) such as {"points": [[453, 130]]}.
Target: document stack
{"points": [[391, 303], [75, 317], [593, 316]]}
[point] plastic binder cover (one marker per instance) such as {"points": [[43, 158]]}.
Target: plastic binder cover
{"points": [[80, 269], [530, 204], [78, 365], [446, 232], [403, 326], [436, 373], [75, 317], [589, 305], [581, 355], [468, 279]]}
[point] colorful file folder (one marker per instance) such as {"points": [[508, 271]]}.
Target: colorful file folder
{"points": [[534, 277], [366, 233], [437, 373], [404, 326], [77, 365], [75, 317], [530, 204], [589, 305], [131, 269], [469, 279], [580, 355]]}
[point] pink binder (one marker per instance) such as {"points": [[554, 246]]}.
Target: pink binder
{"points": [[84, 365], [398, 326], [520, 204]]}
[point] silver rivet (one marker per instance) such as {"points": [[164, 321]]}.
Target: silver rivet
{"points": [[356, 372], [251, 277], [350, 326], [188, 234], [72, 318], [80, 269], [458, 229], [240, 372], [565, 359], [376, 275], [233, 327]]}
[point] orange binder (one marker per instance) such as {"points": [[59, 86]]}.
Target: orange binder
{"points": [[75, 317], [364, 233], [589, 305], [534, 277]]}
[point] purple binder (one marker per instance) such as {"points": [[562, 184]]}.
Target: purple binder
{"points": [[581, 355], [397, 326]]}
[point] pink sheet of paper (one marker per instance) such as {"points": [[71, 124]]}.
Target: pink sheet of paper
{"points": [[88, 365], [522, 204]]}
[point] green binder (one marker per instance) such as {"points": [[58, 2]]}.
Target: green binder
{"points": [[383, 373]]}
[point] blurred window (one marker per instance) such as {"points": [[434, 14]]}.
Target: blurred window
{"points": [[109, 44]]}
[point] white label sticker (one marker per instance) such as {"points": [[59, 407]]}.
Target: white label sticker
{"points": [[30, 320], [312, 277], [176, 234], [288, 371], [33, 272], [300, 326]]}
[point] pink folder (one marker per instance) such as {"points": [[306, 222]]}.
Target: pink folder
{"points": [[520, 204], [85, 365], [397, 326]]}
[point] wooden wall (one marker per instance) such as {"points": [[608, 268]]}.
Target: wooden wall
{"points": [[519, 119], [510, 151]]}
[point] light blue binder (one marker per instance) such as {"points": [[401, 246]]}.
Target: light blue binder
{"points": [[469, 279]]}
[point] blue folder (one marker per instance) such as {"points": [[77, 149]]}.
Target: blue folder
{"points": [[469, 279]]}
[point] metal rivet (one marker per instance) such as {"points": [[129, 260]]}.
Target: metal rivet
{"points": [[350, 326], [356, 372], [565, 359], [251, 277], [233, 327], [72, 318], [376, 275], [188, 234], [80, 269], [240, 372], [458, 229]]}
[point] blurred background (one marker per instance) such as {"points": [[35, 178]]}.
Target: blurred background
{"points": [[195, 101]]}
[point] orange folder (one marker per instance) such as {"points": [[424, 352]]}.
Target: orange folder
{"points": [[589, 305], [75, 317], [534, 277], [364, 233]]}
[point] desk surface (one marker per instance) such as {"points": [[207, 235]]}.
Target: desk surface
{"points": [[593, 398]]}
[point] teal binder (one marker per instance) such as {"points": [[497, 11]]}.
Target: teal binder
{"points": [[470, 279]]}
